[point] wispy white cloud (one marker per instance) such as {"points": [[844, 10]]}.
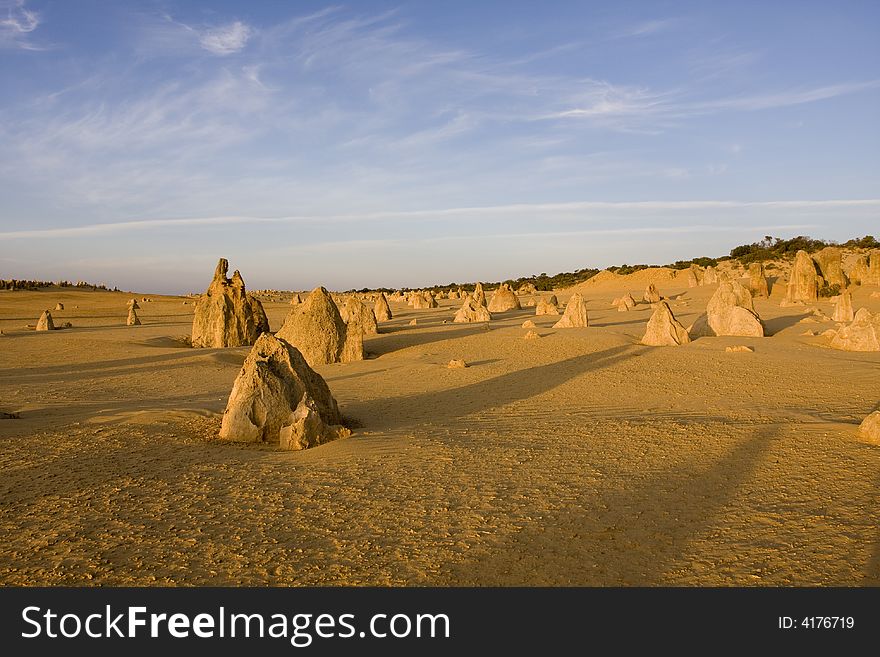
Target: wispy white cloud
{"points": [[165, 35], [17, 22], [648, 27], [577, 210], [226, 39], [644, 106]]}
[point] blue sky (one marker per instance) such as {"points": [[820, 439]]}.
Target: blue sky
{"points": [[405, 143]]}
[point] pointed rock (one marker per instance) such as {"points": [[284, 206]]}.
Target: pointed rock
{"points": [[803, 286], [575, 315], [547, 306], [503, 300], [843, 309], [133, 319], [317, 330], [382, 310], [625, 303], [758, 281], [651, 294], [663, 329], [479, 296], [45, 322], [829, 262], [226, 316], [471, 311], [269, 389]]}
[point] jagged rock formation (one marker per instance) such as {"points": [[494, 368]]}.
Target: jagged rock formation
{"points": [[843, 308], [575, 315], [133, 319], [479, 296], [758, 281], [625, 303], [532, 335], [317, 330], [471, 311], [730, 312], [133, 303], [651, 294], [526, 289], [296, 299], [528, 324], [45, 322], [663, 329], [358, 317], [547, 306], [382, 310], [829, 262], [423, 301], [862, 334], [803, 286], [710, 276], [226, 316], [277, 398], [503, 300], [308, 429], [59, 306], [694, 276]]}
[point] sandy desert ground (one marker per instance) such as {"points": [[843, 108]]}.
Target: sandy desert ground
{"points": [[580, 458]]}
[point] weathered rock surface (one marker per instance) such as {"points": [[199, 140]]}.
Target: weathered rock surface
{"points": [[663, 329], [503, 300], [547, 306], [317, 330], [869, 429], [730, 312], [276, 393], [829, 261], [843, 308], [575, 315], [803, 285], [358, 317], [651, 294], [478, 295], [132, 319], [226, 316], [45, 322], [862, 334], [471, 311], [758, 285], [382, 310]]}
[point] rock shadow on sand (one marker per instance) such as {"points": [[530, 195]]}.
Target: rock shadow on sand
{"points": [[632, 535], [483, 395]]}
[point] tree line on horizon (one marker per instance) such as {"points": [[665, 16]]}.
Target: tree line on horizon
{"points": [[769, 248]]}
